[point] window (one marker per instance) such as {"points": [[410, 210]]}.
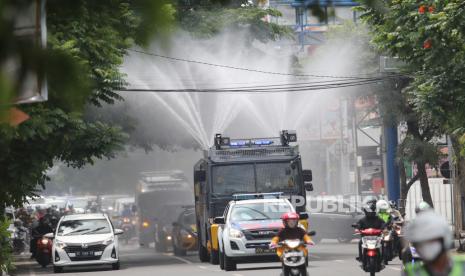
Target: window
{"points": [[233, 179], [84, 227], [259, 211]]}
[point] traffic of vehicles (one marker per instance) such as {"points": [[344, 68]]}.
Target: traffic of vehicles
{"points": [[243, 189]]}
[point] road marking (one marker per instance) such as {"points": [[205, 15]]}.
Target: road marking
{"points": [[394, 268], [237, 274], [339, 261], [178, 258]]}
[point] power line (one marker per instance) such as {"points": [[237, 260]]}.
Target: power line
{"points": [[255, 90], [249, 69]]}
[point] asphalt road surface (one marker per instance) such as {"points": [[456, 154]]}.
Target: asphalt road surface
{"points": [[327, 258]]}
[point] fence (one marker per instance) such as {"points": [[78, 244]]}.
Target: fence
{"points": [[442, 198]]}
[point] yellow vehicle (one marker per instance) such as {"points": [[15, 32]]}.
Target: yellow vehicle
{"points": [[238, 166]]}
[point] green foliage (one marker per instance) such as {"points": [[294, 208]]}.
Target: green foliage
{"points": [[87, 43], [6, 262], [429, 36], [50, 135], [205, 23]]}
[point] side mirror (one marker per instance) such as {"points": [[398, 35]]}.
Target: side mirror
{"points": [[49, 235], [303, 215], [307, 175], [311, 233], [199, 176], [219, 220], [308, 186], [119, 232]]}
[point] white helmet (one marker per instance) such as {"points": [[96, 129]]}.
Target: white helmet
{"points": [[429, 226], [382, 205]]}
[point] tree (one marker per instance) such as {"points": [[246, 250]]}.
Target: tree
{"points": [[417, 146], [428, 37], [87, 43]]}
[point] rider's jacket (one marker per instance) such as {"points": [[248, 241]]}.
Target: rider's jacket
{"points": [[385, 216], [370, 222], [296, 233], [419, 269]]}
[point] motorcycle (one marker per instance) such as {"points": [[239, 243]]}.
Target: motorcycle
{"points": [[129, 228], [410, 255], [372, 258], [293, 259], [44, 251], [388, 245]]}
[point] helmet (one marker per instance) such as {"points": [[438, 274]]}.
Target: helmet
{"points": [[428, 226], [393, 204], [422, 206], [382, 206], [369, 210], [290, 216]]}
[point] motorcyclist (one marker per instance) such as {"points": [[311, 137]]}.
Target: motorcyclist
{"points": [[407, 251], [431, 235], [422, 206], [370, 220], [384, 211], [127, 211], [40, 230], [291, 231], [395, 213]]}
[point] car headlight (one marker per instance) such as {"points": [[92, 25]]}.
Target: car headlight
{"points": [[60, 244], [108, 241], [235, 233], [186, 234]]}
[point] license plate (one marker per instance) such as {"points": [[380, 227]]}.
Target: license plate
{"points": [[85, 254], [265, 250]]}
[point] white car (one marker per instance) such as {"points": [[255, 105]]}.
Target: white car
{"points": [[82, 240], [246, 230]]}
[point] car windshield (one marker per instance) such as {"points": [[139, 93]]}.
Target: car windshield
{"points": [[259, 211], [255, 178], [189, 218], [84, 227]]}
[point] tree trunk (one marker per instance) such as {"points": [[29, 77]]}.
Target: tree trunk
{"points": [[459, 184], [460, 189], [425, 191]]}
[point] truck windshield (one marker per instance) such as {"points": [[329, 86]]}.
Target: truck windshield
{"points": [[255, 178]]}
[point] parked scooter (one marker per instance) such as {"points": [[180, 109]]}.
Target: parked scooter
{"points": [[44, 251], [372, 255]]}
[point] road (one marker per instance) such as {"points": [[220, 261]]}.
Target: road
{"points": [[327, 258]]}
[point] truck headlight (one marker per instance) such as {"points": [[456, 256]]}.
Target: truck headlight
{"points": [[235, 233]]}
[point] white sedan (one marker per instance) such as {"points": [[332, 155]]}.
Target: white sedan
{"points": [[82, 240]]}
